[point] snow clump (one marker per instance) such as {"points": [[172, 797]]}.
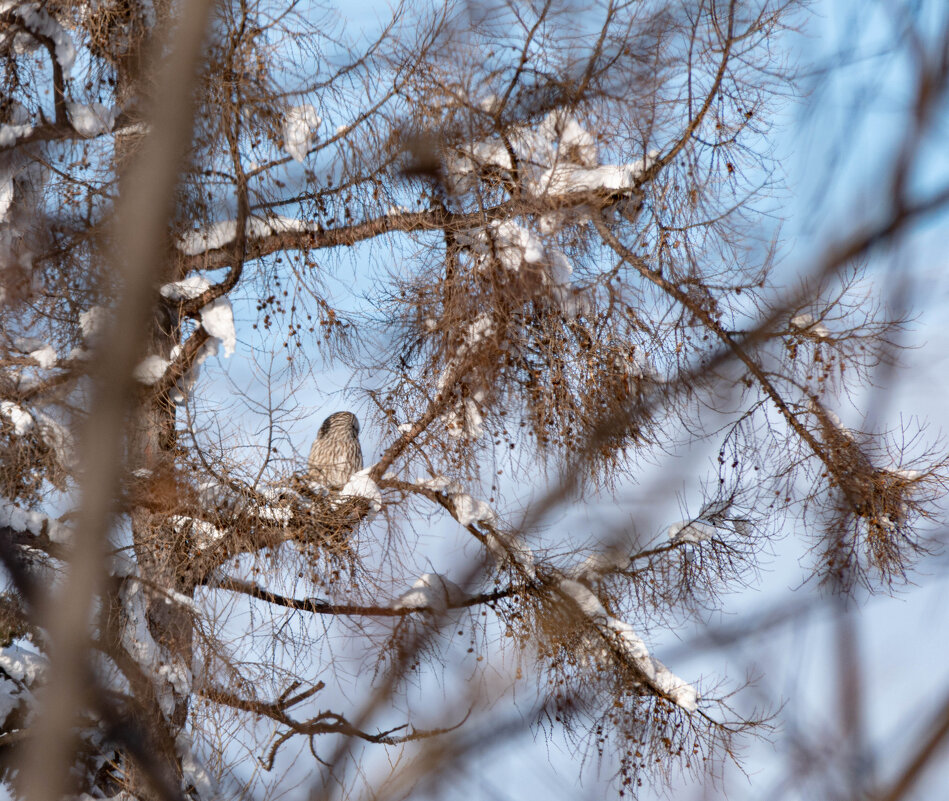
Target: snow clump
{"points": [[360, 485], [150, 370], [93, 119], [691, 531], [432, 592], [299, 130]]}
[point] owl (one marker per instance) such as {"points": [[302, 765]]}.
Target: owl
{"points": [[335, 454]]}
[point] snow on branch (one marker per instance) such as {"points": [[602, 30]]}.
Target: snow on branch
{"points": [[34, 522], [299, 130], [623, 638], [217, 317], [219, 234], [692, 531], [432, 592], [360, 485], [463, 419], [204, 533], [805, 322], [557, 157], [93, 119], [169, 674], [38, 25]]}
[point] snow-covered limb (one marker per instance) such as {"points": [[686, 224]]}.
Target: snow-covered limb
{"points": [[169, 674], [680, 691], [219, 234], [204, 533], [193, 773], [557, 157], [150, 370], [600, 564], [37, 23], [470, 510], [273, 511], [692, 531], [217, 317], [299, 130], [431, 591], [826, 415], [806, 323], [624, 638], [20, 419], [93, 119], [35, 523], [360, 485]]}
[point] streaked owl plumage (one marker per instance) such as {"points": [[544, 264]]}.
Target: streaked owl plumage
{"points": [[335, 454]]}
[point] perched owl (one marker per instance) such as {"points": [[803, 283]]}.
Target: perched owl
{"points": [[336, 454]]}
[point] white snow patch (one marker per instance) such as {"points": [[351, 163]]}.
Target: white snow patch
{"points": [[58, 438], [906, 475], [693, 531], [150, 370], [93, 119], [135, 128], [806, 323], [212, 237], [22, 665], [186, 289], [469, 510], [431, 591], [38, 22], [600, 563], [168, 672], [563, 179], [192, 771], [204, 533], [441, 484], [361, 486], [8, 136], [45, 356], [20, 419], [275, 514], [583, 597], [92, 323], [217, 235], [299, 130], [21, 519], [558, 156], [217, 317]]}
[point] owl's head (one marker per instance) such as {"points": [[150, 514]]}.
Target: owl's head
{"points": [[339, 424]]}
